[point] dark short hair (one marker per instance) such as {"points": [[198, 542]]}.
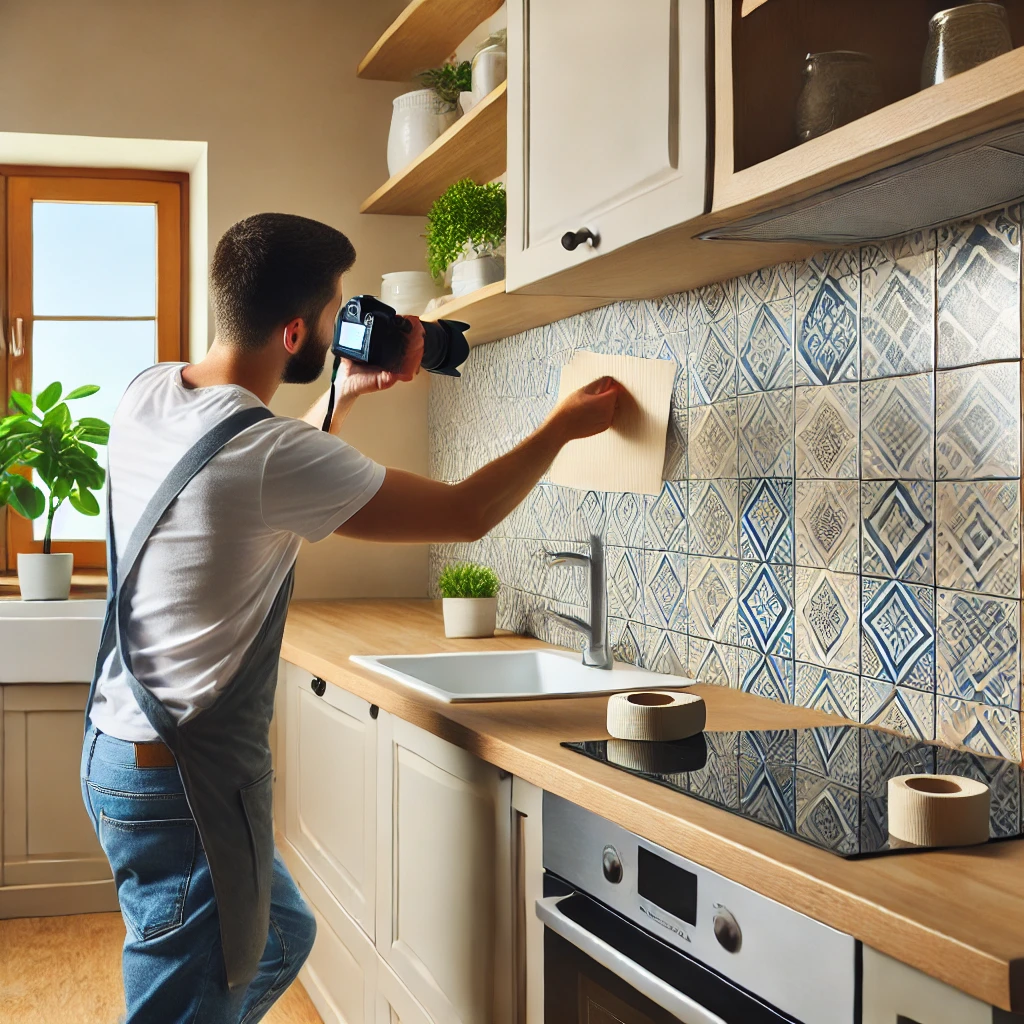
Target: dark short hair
{"points": [[273, 267]]}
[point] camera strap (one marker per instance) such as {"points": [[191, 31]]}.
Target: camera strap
{"points": [[330, 400]]}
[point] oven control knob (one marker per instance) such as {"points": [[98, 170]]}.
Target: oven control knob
{"points": [[727, 931], [611, 864]]}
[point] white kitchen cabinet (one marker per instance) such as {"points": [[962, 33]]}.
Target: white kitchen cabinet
{"points": [[623, 154], [443, 875], [51, 861], [527, 888], [330, 782], [395, 1004]]}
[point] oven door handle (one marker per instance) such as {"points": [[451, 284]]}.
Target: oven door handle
{"points": [[686, 1009]]}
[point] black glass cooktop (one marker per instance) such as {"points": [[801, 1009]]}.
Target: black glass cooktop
{"points": [[826, 786]]}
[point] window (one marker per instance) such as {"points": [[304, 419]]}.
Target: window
{"points": [[95, 292]]}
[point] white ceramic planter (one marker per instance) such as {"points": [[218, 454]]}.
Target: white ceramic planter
{"points": [[418, 118], [469, 275], [470, 616], [408, 291], [45, 577]]}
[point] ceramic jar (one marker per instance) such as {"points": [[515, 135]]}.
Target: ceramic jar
{"points": [[45, 577], [470, 616], [490, 69], [470, 274], [963, 37], [418, 118], [839, 87], [408, 291]]}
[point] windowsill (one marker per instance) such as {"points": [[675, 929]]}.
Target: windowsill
{"points": [[86, 583]]}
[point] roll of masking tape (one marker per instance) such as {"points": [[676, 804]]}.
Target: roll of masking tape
{"points": [[938, 810], [655, 715]]}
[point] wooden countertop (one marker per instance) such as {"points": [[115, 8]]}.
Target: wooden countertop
{"points": [[957, 915]]}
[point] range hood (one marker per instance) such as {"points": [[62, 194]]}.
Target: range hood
{"points": [[952, 183]]}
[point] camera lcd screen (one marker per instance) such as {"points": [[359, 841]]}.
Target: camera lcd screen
{"points": [[351, 339]]}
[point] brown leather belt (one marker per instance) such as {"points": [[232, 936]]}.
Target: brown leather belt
{"points": [[153, 755]]}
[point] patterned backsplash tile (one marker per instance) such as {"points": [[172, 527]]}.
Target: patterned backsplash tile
{"points": [[840, 520]]}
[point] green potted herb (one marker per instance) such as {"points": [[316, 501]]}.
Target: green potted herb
{"points": [[465, 225], [451, 82], [470, 603], [42, 437]]}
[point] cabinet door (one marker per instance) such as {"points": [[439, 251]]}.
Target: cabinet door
{"points": [[590, 145], [395, 1004], [443, 827], [47, 836], [331, 779], [527, 888]]}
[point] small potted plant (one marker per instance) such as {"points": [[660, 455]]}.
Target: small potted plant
{"points": [[421, 116], [42, 436], [466, 224], [470, 595], [451, 82]]}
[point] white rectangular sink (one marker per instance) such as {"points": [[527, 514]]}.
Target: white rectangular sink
{"points": [[511, 675], [49, 641]]}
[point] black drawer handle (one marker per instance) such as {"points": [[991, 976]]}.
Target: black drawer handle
{"points": [[572, 239], [318, 686]]}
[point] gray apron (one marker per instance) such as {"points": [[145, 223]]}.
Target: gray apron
{"points": [[223, 753]]}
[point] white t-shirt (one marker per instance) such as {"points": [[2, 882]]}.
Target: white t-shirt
{"points": [[211, 570]]}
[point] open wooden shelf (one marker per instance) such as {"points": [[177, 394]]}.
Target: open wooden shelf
{"points": [[423, 36], [474, 147], [492, 313]]}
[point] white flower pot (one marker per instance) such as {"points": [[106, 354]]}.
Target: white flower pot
{"points": [[469, 275], [418, 118], [408, 291], [470, 616], [466, 102], [45, 577]]}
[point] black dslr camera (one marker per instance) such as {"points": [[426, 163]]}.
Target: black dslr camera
{"points": [[368, 331]]}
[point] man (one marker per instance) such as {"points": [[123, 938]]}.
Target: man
{"points": [[210, 496]]}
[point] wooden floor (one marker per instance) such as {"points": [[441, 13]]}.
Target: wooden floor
{"points": [[69, 969]]}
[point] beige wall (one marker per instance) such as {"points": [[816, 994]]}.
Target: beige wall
{"points": [[271, 86]]}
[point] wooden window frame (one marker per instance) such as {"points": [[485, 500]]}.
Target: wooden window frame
{"points": [[19, 187]]}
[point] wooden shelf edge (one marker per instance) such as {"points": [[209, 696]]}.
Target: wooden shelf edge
{"points": [[749, 6], [422, 36], [393, 197], [982, 99]]}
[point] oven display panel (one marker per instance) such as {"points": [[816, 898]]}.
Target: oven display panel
{"points": [[671, 888]]}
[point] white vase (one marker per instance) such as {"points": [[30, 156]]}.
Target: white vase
{"points": [[466, 101], [408, 291], [417, 119], [490, 69], [470, 616], [470, 275], [45, 577]]}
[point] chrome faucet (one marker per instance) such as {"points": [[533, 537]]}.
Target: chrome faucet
{"points": [[596, 654]]}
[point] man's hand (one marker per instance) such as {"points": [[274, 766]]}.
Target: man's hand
{"points": [[588, 411], [355, 379]]}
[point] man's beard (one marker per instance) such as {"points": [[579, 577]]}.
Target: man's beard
{"points": [[306, 365]]}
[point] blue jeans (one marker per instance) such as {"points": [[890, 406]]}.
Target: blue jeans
{"points": [[172, 963]]}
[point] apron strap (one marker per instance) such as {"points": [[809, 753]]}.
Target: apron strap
{"points": [[120, 569]]}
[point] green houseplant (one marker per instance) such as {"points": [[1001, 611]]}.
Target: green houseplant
{"points": [[449, 81], [41, 436], [467, 216], [470, 594]]}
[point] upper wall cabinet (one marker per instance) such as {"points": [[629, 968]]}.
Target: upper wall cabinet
{"points": [[608, 136]]}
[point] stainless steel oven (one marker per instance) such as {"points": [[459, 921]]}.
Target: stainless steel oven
{"points": [[639, 935]]}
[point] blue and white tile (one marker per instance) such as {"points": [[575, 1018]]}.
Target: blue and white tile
{"points": [[901, 709], [898, 297], [766, 675], [711, 363], [628, 641], [827, 619], [827, 318], [897, 424], [625, 567], [588, 516], [979, 655], [765, 610], [712, 303], [977, 428], [711, 598], [765, 335], [676, 465], [978, 291], [991, 731], [898, 529], [766, 520], [1003, 779], [665, 518], [828, 431], [827, 813], [713, 441], [978, 537], [827, 524], [828, 689], [766, 434], [667, 652], [712, 522], [769, 284], [715, 664], [665, 600], [625, 520], [898, 633]]}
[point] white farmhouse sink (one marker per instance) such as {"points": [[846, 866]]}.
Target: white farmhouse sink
{"points": [[49, 641], [511, 675]]}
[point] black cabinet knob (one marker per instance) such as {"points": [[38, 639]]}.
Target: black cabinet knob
{"points": [[727, 931], [572, 239], [318, 686], [611, 864]]}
